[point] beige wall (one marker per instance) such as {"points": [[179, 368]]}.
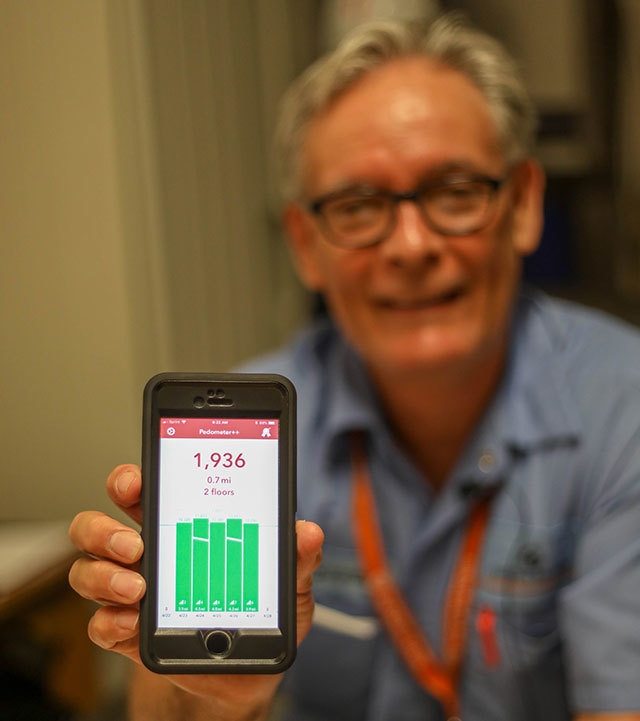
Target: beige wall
{"points": [[102, 244], [68, 402]]}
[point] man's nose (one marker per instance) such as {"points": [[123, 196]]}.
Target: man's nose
{"points": [[412, 240]]}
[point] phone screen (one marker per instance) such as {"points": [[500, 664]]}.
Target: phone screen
{"points": [[218, 523]]}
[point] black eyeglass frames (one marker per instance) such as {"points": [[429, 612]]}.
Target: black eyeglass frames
{"points": [[363, 216]]}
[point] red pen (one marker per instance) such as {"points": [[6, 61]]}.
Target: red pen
{"points": [[486, 627]]}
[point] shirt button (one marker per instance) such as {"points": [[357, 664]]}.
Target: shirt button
{"points": [[530, 556], [487, 461]]}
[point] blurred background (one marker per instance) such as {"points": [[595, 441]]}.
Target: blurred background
{"points": [[140, 233]]}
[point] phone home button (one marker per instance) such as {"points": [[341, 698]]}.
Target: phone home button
{"points": [[218, 643]]}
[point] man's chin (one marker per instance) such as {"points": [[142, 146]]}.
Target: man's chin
{"points": [[421, 357]]}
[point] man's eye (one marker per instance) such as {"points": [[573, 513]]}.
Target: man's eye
{"points": [[353, 206], [462, 191], [459, 196], [357, 209]]}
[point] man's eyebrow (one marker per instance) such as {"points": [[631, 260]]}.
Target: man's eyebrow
{"points": [[461, 167], [352, 187], [451, 167]]}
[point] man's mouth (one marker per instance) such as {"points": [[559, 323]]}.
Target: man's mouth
{"points": [[409, 303]]}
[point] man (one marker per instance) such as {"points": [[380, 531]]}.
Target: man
{"points": [[492, 432]]}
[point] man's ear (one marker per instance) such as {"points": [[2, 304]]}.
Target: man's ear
{"points": [[529, 183], [302, 237]]}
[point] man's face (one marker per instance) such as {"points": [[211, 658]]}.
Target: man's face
{"points": [[418, 300]]}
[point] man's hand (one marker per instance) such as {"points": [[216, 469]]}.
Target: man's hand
{"points": [[109, 575]]}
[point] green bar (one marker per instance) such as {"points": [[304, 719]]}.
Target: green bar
{"points": [[183, 566], [201, 528], [234, 528], [216, 582], [200, 574], [250, 567], [234, 564]]}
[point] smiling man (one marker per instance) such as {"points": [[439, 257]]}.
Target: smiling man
{"points": [[423, 289], [470, 448]]}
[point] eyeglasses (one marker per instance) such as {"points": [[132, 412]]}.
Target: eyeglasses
{"points": [[361, 217]]}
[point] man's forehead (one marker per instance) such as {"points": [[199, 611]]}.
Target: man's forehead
{"points": [[410, 111], [407, 104]]}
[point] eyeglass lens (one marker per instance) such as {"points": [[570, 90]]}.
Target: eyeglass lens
{"points": [[456, 208]]}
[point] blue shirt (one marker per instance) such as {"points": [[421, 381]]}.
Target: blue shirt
{"points": [[560, 569]]}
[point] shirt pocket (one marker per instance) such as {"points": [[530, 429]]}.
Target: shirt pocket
{"points": [[524, 568], [514, 650], [524, 628]]}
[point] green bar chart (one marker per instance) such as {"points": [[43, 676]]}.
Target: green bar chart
{"points": [[217, 566], [217, 583], [184, 549]]}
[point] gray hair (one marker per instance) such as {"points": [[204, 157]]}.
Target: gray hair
{"points": [[449, 40]]}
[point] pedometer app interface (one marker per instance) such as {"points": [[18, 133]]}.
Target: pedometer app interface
{"points": [[218, 523]]}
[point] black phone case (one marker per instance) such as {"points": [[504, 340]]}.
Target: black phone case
{"points": [[252, 650]]}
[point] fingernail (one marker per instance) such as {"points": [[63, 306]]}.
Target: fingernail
{"points": [[126, 544], [100, 641], [127, 619], [127, 585], [124, 481]]}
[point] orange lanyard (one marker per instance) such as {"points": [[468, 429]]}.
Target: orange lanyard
{"points": [[439, 677]]}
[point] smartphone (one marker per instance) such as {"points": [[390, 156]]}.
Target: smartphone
{"points": [[218, 523]]}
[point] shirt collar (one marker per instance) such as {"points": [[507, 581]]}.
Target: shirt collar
{"points": [[532, 409], [351, 399], [535, 400]]}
